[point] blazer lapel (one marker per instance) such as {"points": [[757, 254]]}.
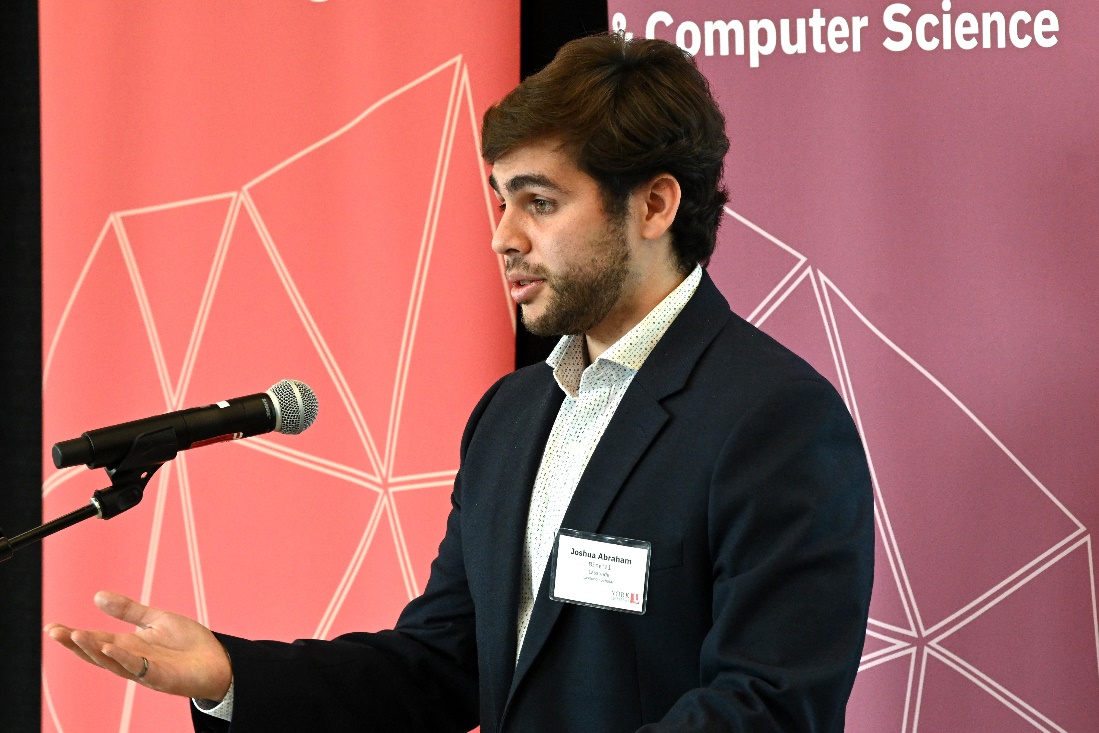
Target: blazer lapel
{"points": [[506, 529], [635, 424]]}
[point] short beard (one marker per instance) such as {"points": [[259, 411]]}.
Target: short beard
{"points": [[584, 295]]}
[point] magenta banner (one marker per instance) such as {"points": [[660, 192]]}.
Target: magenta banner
{"points": [[914, 208]]}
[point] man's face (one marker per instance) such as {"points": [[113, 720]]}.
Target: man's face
{"points": [[567, 261]]}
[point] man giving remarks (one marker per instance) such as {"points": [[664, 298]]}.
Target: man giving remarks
{"points": [[666, 526]]}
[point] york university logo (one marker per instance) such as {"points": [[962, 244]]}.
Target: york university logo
{"points": [[624, 597]]}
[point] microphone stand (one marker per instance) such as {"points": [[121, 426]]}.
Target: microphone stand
{"points": [[129, 477]]}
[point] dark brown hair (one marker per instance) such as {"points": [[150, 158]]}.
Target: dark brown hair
{"points": [[627, 111]]}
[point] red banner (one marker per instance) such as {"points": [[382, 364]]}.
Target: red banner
{"points": [[913, 208], [236, 193]]}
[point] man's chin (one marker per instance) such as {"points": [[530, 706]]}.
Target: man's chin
{"points": [[537, 322], [547, 326], [537, 327]]}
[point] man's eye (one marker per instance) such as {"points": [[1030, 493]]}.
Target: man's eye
{"points": [[541, 206]]}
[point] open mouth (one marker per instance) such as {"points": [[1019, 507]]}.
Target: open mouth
{"points": [[524, 289]]}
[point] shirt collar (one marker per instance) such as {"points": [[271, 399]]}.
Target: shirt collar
{"points": [[630, 351]]}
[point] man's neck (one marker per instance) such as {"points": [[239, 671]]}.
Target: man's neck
{"points": [[620, 321]]}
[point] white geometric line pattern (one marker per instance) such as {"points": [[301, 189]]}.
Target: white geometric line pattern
{"points": [[381, 478], [751, 317], [921, 641], [314, 332]]}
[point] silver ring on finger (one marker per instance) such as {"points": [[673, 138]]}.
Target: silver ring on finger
{"points": [[144, 669]]}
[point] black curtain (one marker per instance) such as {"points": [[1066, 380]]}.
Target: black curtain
{"points": [[20, 365], [544, 28]]}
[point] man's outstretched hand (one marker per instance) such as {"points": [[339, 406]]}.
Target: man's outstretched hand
{"points": [[184, 657]]}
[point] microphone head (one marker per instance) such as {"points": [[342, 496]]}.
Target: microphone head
{"points": [[295, 406]]}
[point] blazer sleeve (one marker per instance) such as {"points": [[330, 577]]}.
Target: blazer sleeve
{"points": [[420, 676], [791, 536]]}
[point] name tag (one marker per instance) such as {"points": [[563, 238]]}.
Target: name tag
{"points": [[600, 571]]}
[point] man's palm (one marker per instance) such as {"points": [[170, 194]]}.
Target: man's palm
{"points": [[184, 657]]}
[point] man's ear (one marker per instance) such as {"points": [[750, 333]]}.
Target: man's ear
{"points": [[658, 201]]}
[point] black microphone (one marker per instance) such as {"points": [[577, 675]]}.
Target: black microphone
{"points": [[289, 407]]}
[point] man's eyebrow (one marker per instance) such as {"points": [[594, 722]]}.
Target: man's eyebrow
{"points": [[525, 180]]}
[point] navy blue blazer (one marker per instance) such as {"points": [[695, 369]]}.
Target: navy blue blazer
{"points": [[733, 457]]}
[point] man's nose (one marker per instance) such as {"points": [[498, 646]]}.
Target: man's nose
{"points": [[509, 238]]}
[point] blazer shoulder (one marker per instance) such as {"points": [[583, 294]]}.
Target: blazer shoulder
{"points": [[525, 384], [742, 343], [749, 366], [709, 350]]}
